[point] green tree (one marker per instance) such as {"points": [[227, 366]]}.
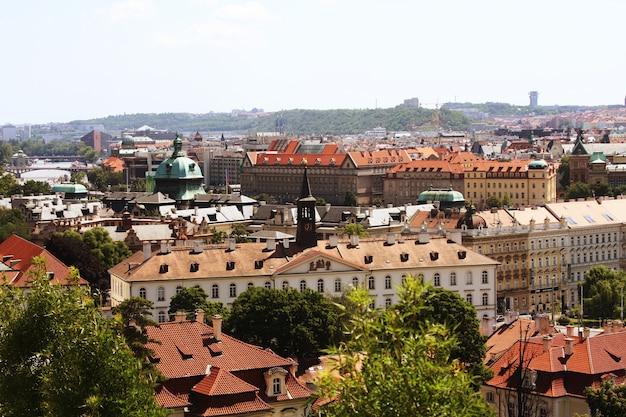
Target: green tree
{"points": [[493, 201], [563, 172], [506, 200], [189, 299], [608, 400], [138, 185], [601, 189], [577, 190], [349, 199], [8, 184], [239, 233], [6, 151], [59, 356], [71, 250], [394, 366], [355, 229], [218, 236], [290, 322], [441, 306], [36, 187], [12, 222], [102, 246], [602, 291], [133, 314]]}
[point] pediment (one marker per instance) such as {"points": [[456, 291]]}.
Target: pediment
{"points": [[318, 263]]}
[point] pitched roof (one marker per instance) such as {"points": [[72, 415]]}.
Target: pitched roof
{"points": [[17, 257], [217, 378]]}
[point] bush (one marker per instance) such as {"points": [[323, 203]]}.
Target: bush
{"points": [[564, 320]]}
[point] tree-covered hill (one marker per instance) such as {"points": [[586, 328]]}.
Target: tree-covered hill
{"points": [[295, 122]]}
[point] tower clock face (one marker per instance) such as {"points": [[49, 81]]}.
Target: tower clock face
{"points": [[308, 227]]}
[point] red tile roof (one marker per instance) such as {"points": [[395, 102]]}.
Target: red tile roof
{"points": [[17, 255], [217, 381], [558, 374]]}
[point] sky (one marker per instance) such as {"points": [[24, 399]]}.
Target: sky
{"points": [[70, 60]]}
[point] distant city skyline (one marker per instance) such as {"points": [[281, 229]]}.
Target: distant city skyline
{"points": [[73, 60]]}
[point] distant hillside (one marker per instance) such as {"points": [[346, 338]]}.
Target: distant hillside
{"points": [[295, 122]]}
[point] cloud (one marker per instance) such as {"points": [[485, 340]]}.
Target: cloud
{"points": [[130, 9], [226, 26], [246, 12]]}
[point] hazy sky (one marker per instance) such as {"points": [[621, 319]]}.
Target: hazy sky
{"points": [[75, 59]]}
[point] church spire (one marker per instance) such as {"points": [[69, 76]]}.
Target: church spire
{"points": [[305, 190]]}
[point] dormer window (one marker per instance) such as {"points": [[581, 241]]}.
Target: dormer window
{"points": [[275, 382]]}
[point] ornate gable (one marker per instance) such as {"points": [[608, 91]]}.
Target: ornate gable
{"points": [[317, 262]]}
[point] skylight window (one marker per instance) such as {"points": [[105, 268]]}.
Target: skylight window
{"points": [[570, 220], [589, 218], [608, 217]]}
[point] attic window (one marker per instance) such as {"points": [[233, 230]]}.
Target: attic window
{"points": [[368, 259], [163, 268], [194, 267], [462, 254], [434, 256], [404, 257], [230, 265], [192, 167], [184, 351], [258, 264]]}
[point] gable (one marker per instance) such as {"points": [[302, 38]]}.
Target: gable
{"points": [[320, 263]]}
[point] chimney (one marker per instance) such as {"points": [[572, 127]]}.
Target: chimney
{"points": [[332, 241], [200, 315], [391, 238], [455, 236], [586, 332], [198, 246], [569, 346], [231, 244], [271, 245], [217, 327], [286, 243], [569, 330], [179, 316], [547, 343], [147, 250], [354, 240], [424, 237]]}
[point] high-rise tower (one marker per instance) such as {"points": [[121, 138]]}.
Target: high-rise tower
{"points": [[534, 98]]}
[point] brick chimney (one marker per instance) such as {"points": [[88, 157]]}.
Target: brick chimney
{"points": [[547, 343], [217, 327], [569, 346], [200, 315], [180, 316]]}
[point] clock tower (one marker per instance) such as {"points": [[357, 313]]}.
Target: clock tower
{"points": [[305, 235]]}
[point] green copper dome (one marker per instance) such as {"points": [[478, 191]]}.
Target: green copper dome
{"points": [[69, 188], [178, 176], [448, 196], [538, 164]]}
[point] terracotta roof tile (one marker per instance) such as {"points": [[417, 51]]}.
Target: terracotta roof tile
{"points": [[19, 254]]}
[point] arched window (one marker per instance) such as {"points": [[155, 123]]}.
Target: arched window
{"points": [[250, 285], [285, 285], [452, 278], [302, 285], [178, 289], [161, 317], [355, 282], [485, 277], [268, 285], [436, 279], [370, 282], [161, 294], [468, 298], [387, 282], [232, 290], [215, 291], [320, 285], [468, 278], [142, 292], [485, 299]]}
